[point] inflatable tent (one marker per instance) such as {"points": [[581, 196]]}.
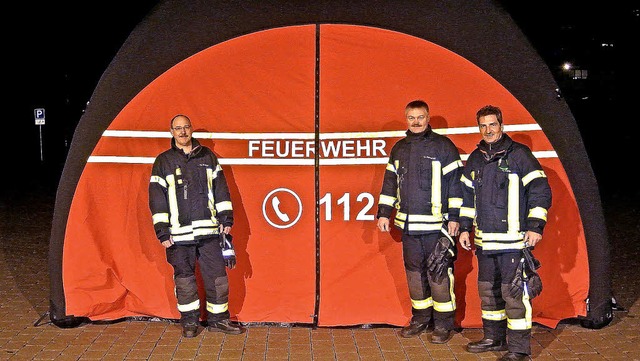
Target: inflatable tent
{"points": [[302, 103]]}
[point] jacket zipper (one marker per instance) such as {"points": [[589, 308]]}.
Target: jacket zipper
{"points": [[186, 185]]}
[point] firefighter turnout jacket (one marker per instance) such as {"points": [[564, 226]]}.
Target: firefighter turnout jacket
{"points": [[188, 195], [505, 193], [422, 182]]}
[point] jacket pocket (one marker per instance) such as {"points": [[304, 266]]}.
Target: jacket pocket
{"points": [[425, 171], [500, 190]]}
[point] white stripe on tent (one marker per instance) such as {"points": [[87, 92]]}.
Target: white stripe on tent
{"points": [[118, 159], [289, 161], [323, 136]]}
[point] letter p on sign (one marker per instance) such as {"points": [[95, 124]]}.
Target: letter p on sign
{"points": [[39, 115]]}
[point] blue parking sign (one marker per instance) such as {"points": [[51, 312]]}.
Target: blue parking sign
{"points": [[38, 113]]}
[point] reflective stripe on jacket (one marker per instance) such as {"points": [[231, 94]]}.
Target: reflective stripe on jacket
{"points": [[188, 194], [505, 193], [421, 182]]}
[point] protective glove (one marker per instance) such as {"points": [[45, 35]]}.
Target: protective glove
{"points": [[531, 265], [526, 276], [517, 283], [228, 253], [441, 258]]}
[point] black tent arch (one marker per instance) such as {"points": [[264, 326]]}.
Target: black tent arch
{"points": [[174, 30]]}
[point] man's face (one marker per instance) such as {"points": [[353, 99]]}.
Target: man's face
{"points": [[490, 128], [181, 131], [417, 119]]}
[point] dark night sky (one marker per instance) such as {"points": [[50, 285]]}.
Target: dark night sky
{"points": [[60, 50]]}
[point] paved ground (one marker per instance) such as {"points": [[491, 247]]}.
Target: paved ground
{"points": [[24, 232]]}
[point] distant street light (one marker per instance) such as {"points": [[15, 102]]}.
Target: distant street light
{"points": [[567, 66]]}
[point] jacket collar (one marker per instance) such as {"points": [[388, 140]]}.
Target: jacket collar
{"points": [[415, 136], [495, 150], [195, 146]]}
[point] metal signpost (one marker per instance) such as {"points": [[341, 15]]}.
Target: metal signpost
{"points": [[38, 113]]}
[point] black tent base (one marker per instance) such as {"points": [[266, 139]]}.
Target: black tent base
{"points": [[597, 323], [69, 321], [58, 317], [65, 322], [600, 316]]}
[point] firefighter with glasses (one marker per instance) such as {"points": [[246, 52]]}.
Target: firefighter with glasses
{"points": [[192, 216]]}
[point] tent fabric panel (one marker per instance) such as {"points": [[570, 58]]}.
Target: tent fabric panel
{"points": [[207, 87], [115, 267], [360, 64], [362, 279], [274, 280]]}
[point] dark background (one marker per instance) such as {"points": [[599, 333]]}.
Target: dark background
{"points": [[58, 52]]}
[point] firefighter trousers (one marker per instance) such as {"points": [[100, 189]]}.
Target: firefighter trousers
{"points": [[503, 317], [429, 300], [208, 256]]}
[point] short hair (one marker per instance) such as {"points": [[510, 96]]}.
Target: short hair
{"points": [[489, 110], [417, 104], [178, 116]]}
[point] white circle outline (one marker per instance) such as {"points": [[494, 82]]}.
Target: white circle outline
{"points": [[264, 207]]}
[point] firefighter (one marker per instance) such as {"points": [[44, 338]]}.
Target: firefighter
{"points": [[506, 196], [191, 207], [422, 184]]}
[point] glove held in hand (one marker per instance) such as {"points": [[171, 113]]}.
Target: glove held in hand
{"points": [[228, 253], [440, 259], [526, 275]]}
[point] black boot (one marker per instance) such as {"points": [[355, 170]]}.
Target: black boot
{"points": [[189, 329], [487, 344], [225, 326], [413, 329], [440, 335]]}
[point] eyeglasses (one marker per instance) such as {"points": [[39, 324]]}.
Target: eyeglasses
{"points": [[179, 128], [412, 118]]}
